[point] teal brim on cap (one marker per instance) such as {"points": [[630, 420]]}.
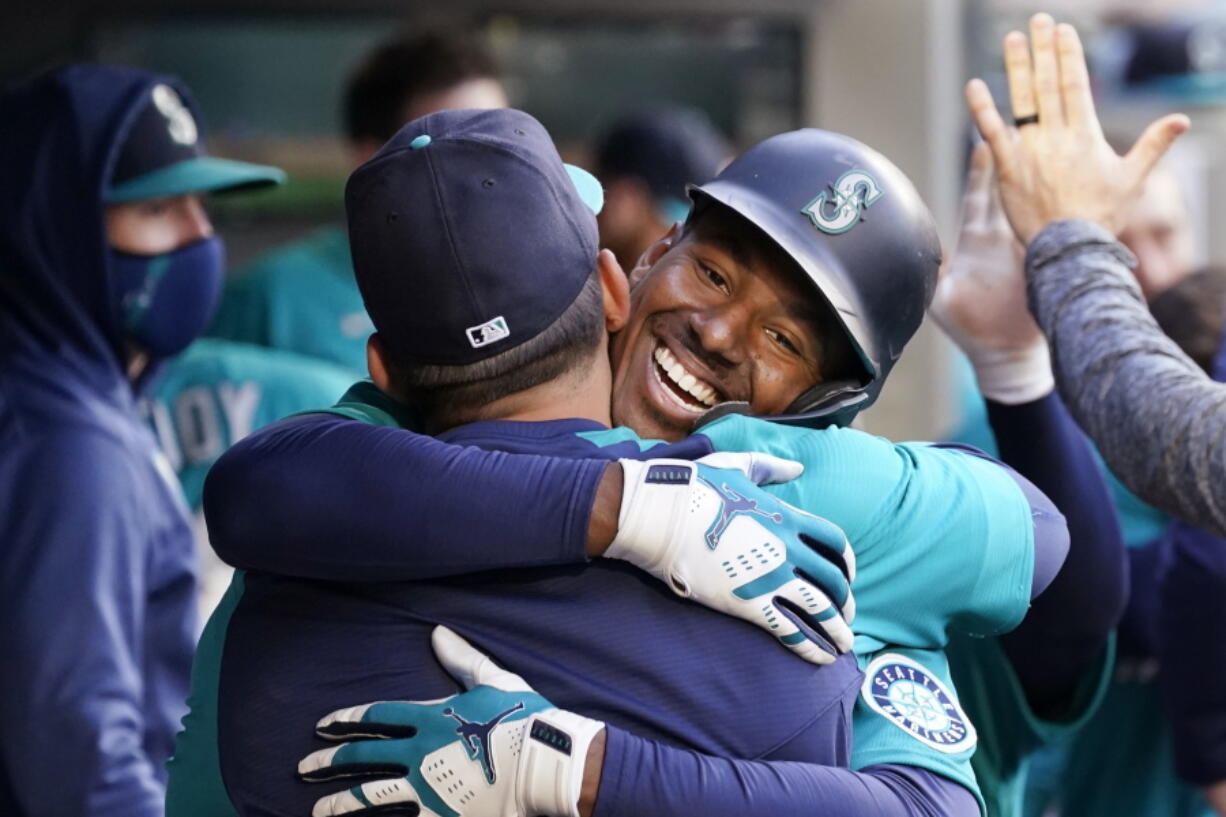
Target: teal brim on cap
{"points": [[203, 174], [588, 186], [672, 209]]}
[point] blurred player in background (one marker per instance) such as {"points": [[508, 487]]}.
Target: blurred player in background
{"points": [[292, 329], [108, 267], [644, 161], [302, 297], [1161, 733], [211, 396], [1160, 234]]}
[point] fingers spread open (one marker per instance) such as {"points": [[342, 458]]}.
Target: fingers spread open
{"points": [[1075, 80], [1020, 74], [991, 127], [1046, 70], [1154, 143]]}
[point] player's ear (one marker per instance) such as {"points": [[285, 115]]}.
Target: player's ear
{"points": [[616, 291], [655, 252], [377, 364]]}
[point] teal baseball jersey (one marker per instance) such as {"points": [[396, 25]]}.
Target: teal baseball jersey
{"points": [[943, 538], [219, 391], [1126, 740], [1140, 522], [908, 713], [1009, 730], [300, 298], [1128, 743]]}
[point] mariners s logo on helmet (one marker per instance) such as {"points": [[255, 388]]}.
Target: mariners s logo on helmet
{"points": [[838, 209], [179, 120]]}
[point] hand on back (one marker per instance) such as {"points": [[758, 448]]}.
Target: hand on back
{"points": [[708, 531]]}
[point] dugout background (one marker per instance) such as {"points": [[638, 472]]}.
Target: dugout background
{"points": [[268, 75]]}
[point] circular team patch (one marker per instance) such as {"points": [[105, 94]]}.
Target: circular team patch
{"points": [[913, 699]]}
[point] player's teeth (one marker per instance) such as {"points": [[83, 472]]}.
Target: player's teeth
{"points": [[684, 380]]}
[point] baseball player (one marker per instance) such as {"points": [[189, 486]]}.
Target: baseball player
{"points": [[1051, 672], [1037, 685], [302, 297], [1159, 730], [630, 672], [644, 160], [216, 392], [108, 266]]}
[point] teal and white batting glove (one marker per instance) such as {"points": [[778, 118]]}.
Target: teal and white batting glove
{"points": [[707, 530], [496, 750]]}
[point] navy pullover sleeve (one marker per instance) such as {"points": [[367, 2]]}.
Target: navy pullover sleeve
{"points": [[72, 594], [407, 498], [1068, 625], [641, 776]]}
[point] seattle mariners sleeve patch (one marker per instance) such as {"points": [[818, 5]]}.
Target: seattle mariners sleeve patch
{"points": [[909, 696]]}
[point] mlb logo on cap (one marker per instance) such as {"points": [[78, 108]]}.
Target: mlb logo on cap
{"points": [[488, 332], [469, 235]]}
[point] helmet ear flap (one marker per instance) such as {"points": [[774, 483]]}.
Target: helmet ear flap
{"points": [[835, 402]]}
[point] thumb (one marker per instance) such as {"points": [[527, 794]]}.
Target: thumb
{"points": [[470, 666], [1155, 142], [763, 469]]}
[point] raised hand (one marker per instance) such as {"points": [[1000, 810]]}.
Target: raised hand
{"points": [[1057, 163], [980, 299]]}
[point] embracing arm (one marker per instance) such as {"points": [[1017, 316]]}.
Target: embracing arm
{"points": [[561, 763], [1067, 626], [1158, 420], [293, 497], [641, 776]]}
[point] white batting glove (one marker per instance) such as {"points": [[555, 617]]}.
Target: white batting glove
{"points": [[707, 530], [498, 749], [980, 300]]}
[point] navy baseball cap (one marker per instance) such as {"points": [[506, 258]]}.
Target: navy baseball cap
{"points": [[469, 235], [163, 156], [666, 148]]}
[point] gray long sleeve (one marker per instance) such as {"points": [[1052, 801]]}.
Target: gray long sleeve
{"points": [[1159, 422]]}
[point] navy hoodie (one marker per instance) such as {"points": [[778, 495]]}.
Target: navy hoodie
{"points": [[97, 570]]}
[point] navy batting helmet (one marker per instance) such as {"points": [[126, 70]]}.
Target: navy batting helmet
{"points": [[858, 229]]}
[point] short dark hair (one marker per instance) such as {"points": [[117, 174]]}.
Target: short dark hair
{"points": [[1193, 312], [402, 69], [448, 396]]}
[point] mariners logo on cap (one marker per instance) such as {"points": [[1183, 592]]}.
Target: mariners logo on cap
{"points": [[838, 209], [179, 120], [910, 697]]}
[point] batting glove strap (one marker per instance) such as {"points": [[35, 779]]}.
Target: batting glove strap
{"points": [[1014, 376], [553, 761], [655, 503]]}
